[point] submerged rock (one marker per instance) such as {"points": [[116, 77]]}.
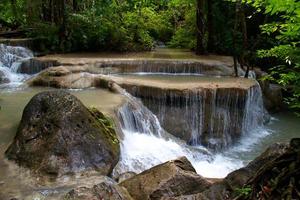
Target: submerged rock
{"points": [[107, 190], [58, 135], [170, 179]]}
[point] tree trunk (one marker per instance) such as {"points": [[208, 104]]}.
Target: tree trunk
{"points": [[236, 24], [75, 6], [62, 24], [245, 42], [210, 26], [200, 49]]}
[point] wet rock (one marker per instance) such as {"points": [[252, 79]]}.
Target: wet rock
{"points": [[107, 190], [188, 197], [3, 79], [239, 177], [35, 196], [74, 77], [170, 179], [278, 178], [125, 176], [58, 135], [273, 98], [220, 66]]}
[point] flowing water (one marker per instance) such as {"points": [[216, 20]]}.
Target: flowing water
{"points": [[143, 148], [145, 143], [211, 111], [10, 60]]}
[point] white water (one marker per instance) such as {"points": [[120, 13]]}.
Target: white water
{"points": [[10, 60], [143, 148]]}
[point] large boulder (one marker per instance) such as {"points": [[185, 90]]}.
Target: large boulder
{"points": [[278, 178], [273, 97], [170, 179], [58, 135], [107, 190], [239, 177], [235, 181]]}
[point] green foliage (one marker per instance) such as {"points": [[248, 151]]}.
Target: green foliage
{"points": [[48, 34], [12, 14], [108, 25], [243, 192], [106, 124], [183, 14], [286, 31]]}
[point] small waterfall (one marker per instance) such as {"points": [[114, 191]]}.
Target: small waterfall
{"points": [[255, 112], [135, 117], [167, 66], [10, 60], [146, 144], [214, 117]]}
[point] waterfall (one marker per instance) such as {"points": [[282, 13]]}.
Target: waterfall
{"points": [[10, 60], [135, 117], [254, 110], [214, 117], [146, 144]]}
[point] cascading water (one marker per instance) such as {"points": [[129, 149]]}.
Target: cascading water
{"points": [[135, 117], [10, 60], [144, 148], [213, 117], [146, 144]]}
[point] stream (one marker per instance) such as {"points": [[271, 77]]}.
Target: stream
{"points": [[143, 145]]}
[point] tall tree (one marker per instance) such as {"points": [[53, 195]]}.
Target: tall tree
{"points": [[200, 48]]}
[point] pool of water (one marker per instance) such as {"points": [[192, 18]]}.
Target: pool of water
{"points": [[183, 80]]}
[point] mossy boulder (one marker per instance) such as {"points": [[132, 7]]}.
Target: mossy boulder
{"points": [[58, 135]]}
